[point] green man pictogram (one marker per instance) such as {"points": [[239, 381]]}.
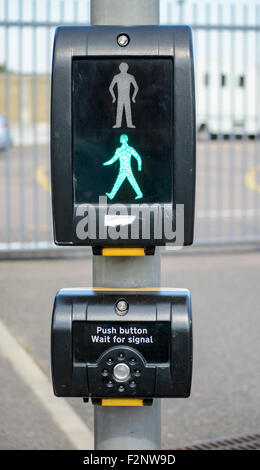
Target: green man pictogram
{"points": [[124, 154]]}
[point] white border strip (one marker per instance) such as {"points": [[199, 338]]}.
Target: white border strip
{"points": [[60, 411]]}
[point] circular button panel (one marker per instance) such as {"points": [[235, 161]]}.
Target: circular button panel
{"points": [[121, 371]]}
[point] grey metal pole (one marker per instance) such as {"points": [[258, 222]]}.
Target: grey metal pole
{"points": [[127, 428], [125, 12]]}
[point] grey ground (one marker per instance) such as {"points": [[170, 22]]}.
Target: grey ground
{"points": [[226, 380]]}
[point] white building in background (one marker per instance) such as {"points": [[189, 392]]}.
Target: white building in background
{"points": [[227, 62], [228, 99]]}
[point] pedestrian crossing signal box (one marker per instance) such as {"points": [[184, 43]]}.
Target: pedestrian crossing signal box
{"points": [[114, 344], [123, 136]]}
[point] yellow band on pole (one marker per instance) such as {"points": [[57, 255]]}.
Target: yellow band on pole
{"points": [[123, 252], [131, 289], [122, 402]]}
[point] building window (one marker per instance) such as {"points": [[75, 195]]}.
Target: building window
{"points": [[241, 81], [223, 80], [206, 79]]}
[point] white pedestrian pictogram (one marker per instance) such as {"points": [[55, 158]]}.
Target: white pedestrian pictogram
{"points": [[123, 80]]}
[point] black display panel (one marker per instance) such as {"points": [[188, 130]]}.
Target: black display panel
{"points": [[122, 112], [91, 339]]}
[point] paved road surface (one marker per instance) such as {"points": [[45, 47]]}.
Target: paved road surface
{"points": [[226, 382]]}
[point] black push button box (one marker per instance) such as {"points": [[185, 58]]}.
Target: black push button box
{"points": [[98, 352]]}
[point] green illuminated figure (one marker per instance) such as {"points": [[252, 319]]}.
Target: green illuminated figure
{"points": [[124, 154]]}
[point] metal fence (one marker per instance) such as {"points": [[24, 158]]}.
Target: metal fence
{"points": [[227, 59]]}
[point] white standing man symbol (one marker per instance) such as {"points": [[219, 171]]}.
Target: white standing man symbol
{"points": [[123, 80]]}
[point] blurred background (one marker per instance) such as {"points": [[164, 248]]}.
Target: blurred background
{"points": [[221, 270], [227, 63]]}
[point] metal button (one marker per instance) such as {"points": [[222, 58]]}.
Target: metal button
{"points": [[121, 372], [122, 307], [123, 40]]}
